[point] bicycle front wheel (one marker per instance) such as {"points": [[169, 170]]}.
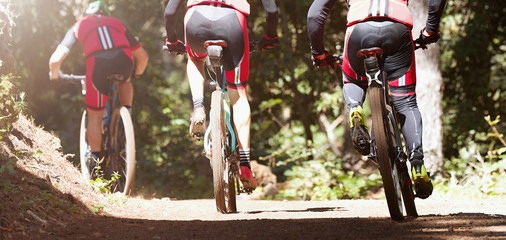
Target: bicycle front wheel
{"points": [[122, 150], [382, 138], [217, 148], [84, 150]]}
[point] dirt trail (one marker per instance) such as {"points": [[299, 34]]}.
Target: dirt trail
{"points": [[43, 197]]}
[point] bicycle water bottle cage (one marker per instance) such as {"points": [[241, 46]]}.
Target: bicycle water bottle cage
{"points": [[370, 56], [215, 52]]}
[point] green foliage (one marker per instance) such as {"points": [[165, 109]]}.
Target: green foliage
{"points": [[325, 180], [100, 184], [11, 104], [473, 49], [475, 174]]}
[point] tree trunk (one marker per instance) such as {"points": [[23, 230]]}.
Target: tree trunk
{"points": [[429, 91]]}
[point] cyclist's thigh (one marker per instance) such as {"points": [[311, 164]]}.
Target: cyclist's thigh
{"points": [[392, 37], [94, 100], [204, 23], [117, 62]]}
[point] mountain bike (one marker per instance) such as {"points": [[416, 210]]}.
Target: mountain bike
{"points": [[386, 144], [220, 139], [118, 142]]}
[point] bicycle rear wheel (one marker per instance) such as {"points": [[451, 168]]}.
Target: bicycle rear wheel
{"points": [[382, 138], [400, 160], [217, 147], [84, 150], [122, 151]]}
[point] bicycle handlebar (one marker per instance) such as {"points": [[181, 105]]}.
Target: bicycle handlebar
{"points": [[72, 77]]}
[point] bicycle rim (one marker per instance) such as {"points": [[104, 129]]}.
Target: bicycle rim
{"points": [[84, 150], [217, 146], [122, 159], [389, 173]]}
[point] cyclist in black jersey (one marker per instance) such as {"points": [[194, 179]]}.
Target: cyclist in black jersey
{"points": [[386, 24]]}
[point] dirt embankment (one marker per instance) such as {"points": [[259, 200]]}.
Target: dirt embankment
{"points": [[39, 187]]}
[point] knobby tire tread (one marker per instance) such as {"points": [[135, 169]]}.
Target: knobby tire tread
{"points": [[217, 136], [379, 126]]}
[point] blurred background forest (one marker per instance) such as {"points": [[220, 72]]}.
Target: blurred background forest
{"points": [[299, 125]]}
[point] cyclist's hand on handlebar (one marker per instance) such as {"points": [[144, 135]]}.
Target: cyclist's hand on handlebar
{"points": [[426, 38], [269, 42], [51, 78], [325, 60], [177, 47]]}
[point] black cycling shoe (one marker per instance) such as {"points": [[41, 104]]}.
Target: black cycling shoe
{"points": [[361, 140], [359, 133]]}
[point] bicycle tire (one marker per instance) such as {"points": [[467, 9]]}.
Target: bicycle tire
{"points": [[389, 173], [406, 185], [84, 150], [230, 196], [122, 146], [217, 148]]}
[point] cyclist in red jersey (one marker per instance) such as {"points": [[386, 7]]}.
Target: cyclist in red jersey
{"points": [[220, 20], [109, 48], [386, 24]]}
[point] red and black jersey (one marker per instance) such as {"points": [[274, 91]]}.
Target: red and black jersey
{"points": [[360, 10], [100, 33], [239, 5]]}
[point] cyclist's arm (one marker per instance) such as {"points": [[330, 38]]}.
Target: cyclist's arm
{"points": [[61, 52], [141, 60], [271, 12], [436, 8], [140, 54], [316, 16], [170, 19]]}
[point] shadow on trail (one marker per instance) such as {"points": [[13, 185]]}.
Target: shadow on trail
{"points": [[320, 209], [464, 225]]}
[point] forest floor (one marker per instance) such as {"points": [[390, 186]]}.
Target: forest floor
{"points": [[42, 196]]}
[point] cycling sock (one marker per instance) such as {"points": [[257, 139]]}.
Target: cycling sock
{"points": [[244, 157], [198, 102]]}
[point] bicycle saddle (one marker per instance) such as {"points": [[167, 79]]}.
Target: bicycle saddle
{"points": [[215, 51], [369, 52]]}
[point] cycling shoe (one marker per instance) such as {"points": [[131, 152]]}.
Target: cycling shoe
{"points": [[198, 123], [359, 133], [248, 181], [422, 182]]}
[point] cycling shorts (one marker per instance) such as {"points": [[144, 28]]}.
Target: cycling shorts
{"points": [[398, 59], [220, 22], [99, 66]]}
